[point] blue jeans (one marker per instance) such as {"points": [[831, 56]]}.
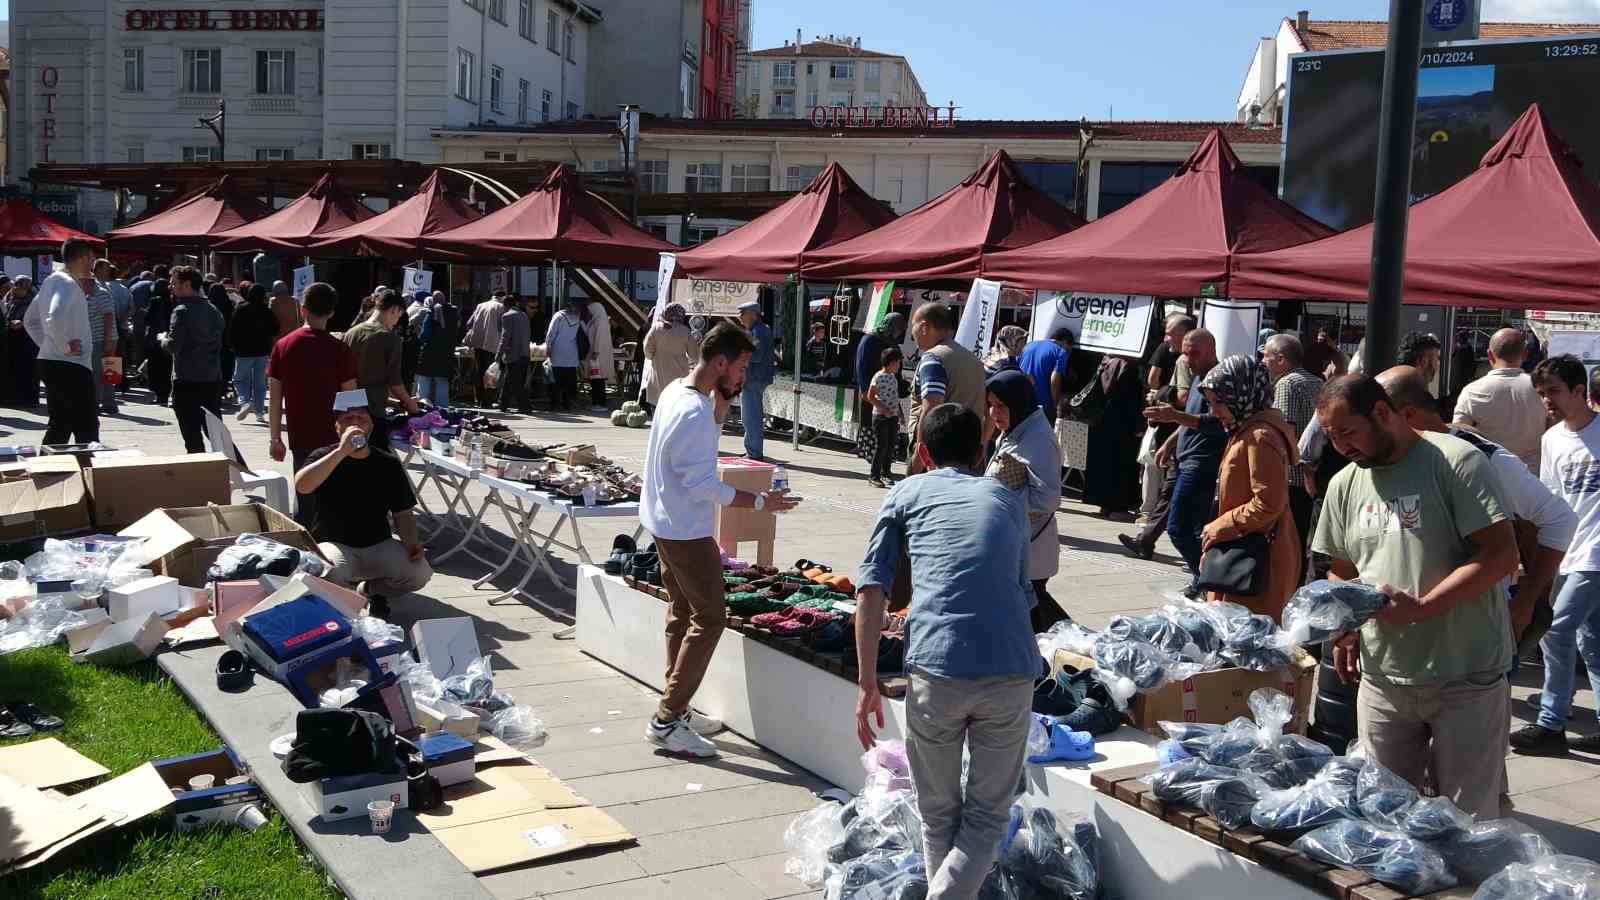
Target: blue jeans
{"points": [[753, 416], [1575, 629], [1193, 498], [435, 389], [250, 382]]}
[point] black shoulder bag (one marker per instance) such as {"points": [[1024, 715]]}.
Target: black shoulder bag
{"points": [[1238, 566]]}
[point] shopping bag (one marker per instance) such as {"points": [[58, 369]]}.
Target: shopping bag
{"points": [[491, 377], [1147, 448], [111, 370]]}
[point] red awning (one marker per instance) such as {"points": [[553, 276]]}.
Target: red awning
{"points": [[191, 223], [1169, 242], [558, 220], [326, 207], [397, 233], [772, 246], [1523, 230], [24, 231], [949, 237]]}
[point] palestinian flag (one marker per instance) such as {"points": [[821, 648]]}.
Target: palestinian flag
{"points": [[879, 305]]}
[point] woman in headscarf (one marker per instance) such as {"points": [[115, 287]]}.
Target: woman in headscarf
{"points": [[1008, 344], [670, 350], [1253, 480], [1111, 470], [1027, 457], [869, 351]]}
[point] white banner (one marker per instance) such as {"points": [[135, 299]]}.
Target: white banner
{"points": [[703, 297], [976, 331], [1234, 323], [303, 277], [417, 280], [1103, 323], [669, 262]]}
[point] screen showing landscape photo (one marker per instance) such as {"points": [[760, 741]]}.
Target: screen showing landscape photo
{"points": [[1467, 96]]}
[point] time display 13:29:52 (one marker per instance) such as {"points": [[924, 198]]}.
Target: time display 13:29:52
{"points": [[1589, 48]]}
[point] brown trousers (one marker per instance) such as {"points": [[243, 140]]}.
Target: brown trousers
{"points": [[691, 571]]}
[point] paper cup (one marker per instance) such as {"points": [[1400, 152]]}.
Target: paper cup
{"points": [[381, 814], [249, 817], [201, 782]]}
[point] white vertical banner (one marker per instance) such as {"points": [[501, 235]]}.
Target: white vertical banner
{"points": [[976, 331], [669, 263], [303, 277], [1235, 324], [417, 280]]}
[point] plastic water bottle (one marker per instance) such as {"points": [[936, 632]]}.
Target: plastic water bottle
{"points": [[358, 441], [475, 455], [780, 479]]}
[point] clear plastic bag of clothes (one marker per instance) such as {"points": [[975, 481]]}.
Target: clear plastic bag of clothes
{"points": [[878, 821], [1558, 877], [1435, 819], [1249, 641], [880, 876], [518, 726], [1200, 626], [808, 838], [252, 556], [425, 686], [1231, 800], [41, 623], [1490, 846], [1183, 781], [1328, 797], [1384, 797], [1194, 737], [1052, 857], [1159, 629], [1002, 884], [472, 687], [1402, 862], [1323, 609], [1067, 635], [375, 631]]}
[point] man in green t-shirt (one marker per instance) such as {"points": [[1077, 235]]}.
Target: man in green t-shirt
{"points": [[1421, 517]]}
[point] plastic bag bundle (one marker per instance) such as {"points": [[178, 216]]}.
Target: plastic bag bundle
{"points": [[1558, 877], [1328, 797], [1159, 629], [425, 686], [1067, 635], [1052, 858], [887, 768], [878, 821], [517, 726], [1141, 664], [1182, 782], [376, 631], [1435, 819], [880, 876], [472, 687], [1201, 628], [1194, 737], [252, 556], [40, 624], [1487, 847], [808, 838], [1250, 641], [1322, 609], [1384, 797], [1231, 800], [1402, 862]]}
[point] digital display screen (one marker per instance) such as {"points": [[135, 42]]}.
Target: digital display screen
{"points": [[1468, 94]]}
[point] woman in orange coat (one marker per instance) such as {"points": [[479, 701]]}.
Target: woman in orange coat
{"points": [[1253, 481]]}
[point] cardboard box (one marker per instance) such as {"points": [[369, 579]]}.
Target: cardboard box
{"points": [[1217, 697], [347, 796], [218, 803], [388, 655], [136, 599], [301, 632], [184, 542], [124, 489], [446, 646], [457, 720], [125, 643], [45, 496], [290, 589], [449, 757]]}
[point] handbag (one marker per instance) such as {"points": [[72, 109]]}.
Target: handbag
{"points": [[1237, 567], [1089, 405], [1148, 447]]}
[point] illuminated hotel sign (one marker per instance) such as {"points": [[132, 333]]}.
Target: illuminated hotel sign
{"points": [[883, 116], [223, 20]]}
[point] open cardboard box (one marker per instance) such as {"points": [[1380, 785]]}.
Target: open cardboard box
{"points": [[183, 542], [220, 802], [123, 489], [42, 496], [1216, 697]]}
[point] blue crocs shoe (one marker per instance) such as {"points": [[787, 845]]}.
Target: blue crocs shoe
{"points": [[1066, 745]]}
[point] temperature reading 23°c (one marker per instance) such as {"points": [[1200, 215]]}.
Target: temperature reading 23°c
{"points": [[1589, 49]]}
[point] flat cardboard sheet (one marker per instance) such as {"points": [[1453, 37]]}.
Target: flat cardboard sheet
{"points": [[131, 795], [46, 763], [446, 645], [35, 821]]}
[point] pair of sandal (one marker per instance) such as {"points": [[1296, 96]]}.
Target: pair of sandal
{"points": [[18, 719], [794, 622]]}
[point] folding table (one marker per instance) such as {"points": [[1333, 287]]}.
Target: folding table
{"points": [[451, 478]]}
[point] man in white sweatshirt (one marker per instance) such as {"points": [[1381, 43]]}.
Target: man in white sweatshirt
{"points": [[58, 321]]}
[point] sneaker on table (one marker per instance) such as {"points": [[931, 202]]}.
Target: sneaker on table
{"points": [[679, 739], [1536, 740]]}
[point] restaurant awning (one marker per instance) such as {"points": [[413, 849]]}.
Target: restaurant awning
{"points": [[25, 231], [191, 223], [396, 234], [326, 207]]}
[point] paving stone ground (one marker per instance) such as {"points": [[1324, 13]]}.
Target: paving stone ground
{"points": [[724, 840]]}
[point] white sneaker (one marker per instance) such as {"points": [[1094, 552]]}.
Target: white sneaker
{"points": [[243, 413], [703, 724], [260, 419], [679, 739]]}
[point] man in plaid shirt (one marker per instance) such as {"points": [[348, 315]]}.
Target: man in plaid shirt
{"points": [[1294, 395]]}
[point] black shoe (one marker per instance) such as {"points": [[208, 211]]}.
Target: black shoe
{"points": [[622, 548], [35, 717], [1136, 549], [1192, 591], [233, 672], [1589, 743], [378, 607], [11, 726], [1537, 740]]}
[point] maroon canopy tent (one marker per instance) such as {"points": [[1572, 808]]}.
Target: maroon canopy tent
{"points": [[1523, 230], [326, 207], [949, 237], [773, 246], [397, 233], [1169, 242], [558, 220], [192, 223], [24, 231]]}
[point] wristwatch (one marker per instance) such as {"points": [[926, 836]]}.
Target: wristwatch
{"points": [[761, 502]]}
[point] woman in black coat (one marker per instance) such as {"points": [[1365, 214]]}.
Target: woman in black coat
{"points": [[251, 332]]}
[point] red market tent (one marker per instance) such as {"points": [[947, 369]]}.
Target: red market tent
{"points": [[558, 220], [396, 234], [1169, 242], [1523, 230], [326, 207], [949, 237], [24, 231], [773, 246], [191, 223]]}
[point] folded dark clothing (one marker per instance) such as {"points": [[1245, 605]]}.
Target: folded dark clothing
{"points": [[1402, 862], [1230, 800], [1435, 819], [1201, 630], [1134, 660], [1488, 847]]}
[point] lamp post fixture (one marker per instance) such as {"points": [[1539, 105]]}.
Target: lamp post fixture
{"points": [[217, 123]]}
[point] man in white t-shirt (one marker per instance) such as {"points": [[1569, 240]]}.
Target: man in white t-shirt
{"points": [[58, 321], [1503, 405], [678, 505], [1570, 466]]}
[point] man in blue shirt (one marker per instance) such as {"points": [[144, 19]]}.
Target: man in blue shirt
{"points": [[1198, 445], [970, 651], [1046, 363], [757, 377]]}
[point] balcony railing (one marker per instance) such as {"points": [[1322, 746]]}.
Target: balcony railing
{"points": [[273, 105], [783, 81]]}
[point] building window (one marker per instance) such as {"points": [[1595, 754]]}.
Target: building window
{"points": [[872, 99], [1058, 179], [274, 154], [571, 43], [370, 151], [841, 99], [696, 235], [552, 31], [136, 154], [797, 177], [497, 78], [202, 71], [751, 176], [204, 154], [545, 99], [605, 165], [572, 110], [525, 18], [874, 71], [653, 176], [523, 90], [275, 71], [499, 156], [466, 74], [1123, 183], [811, 100], [783, 73], [845, 70], [133, 69], [783, 104], [497, 11], [703, 178]]}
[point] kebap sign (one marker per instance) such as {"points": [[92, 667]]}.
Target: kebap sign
{"points": [[1105, 323]]}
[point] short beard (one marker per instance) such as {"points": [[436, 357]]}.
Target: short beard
{"points": [[1382, 452]]}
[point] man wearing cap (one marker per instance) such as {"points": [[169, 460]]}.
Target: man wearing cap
{"points": [[358, 489], [284, 307], [757, 377]]}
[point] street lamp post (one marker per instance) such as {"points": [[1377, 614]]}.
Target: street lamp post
{"points": [[1396, 126], [217, 123]]}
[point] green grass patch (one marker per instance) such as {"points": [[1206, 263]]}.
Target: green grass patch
{"points": [[123, 718]]}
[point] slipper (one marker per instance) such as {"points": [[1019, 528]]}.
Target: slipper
{"points": [[816, 573], [769, 619], [33, 716], [233, 672], [11, 727], [1065, 744], [840, 583]]}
